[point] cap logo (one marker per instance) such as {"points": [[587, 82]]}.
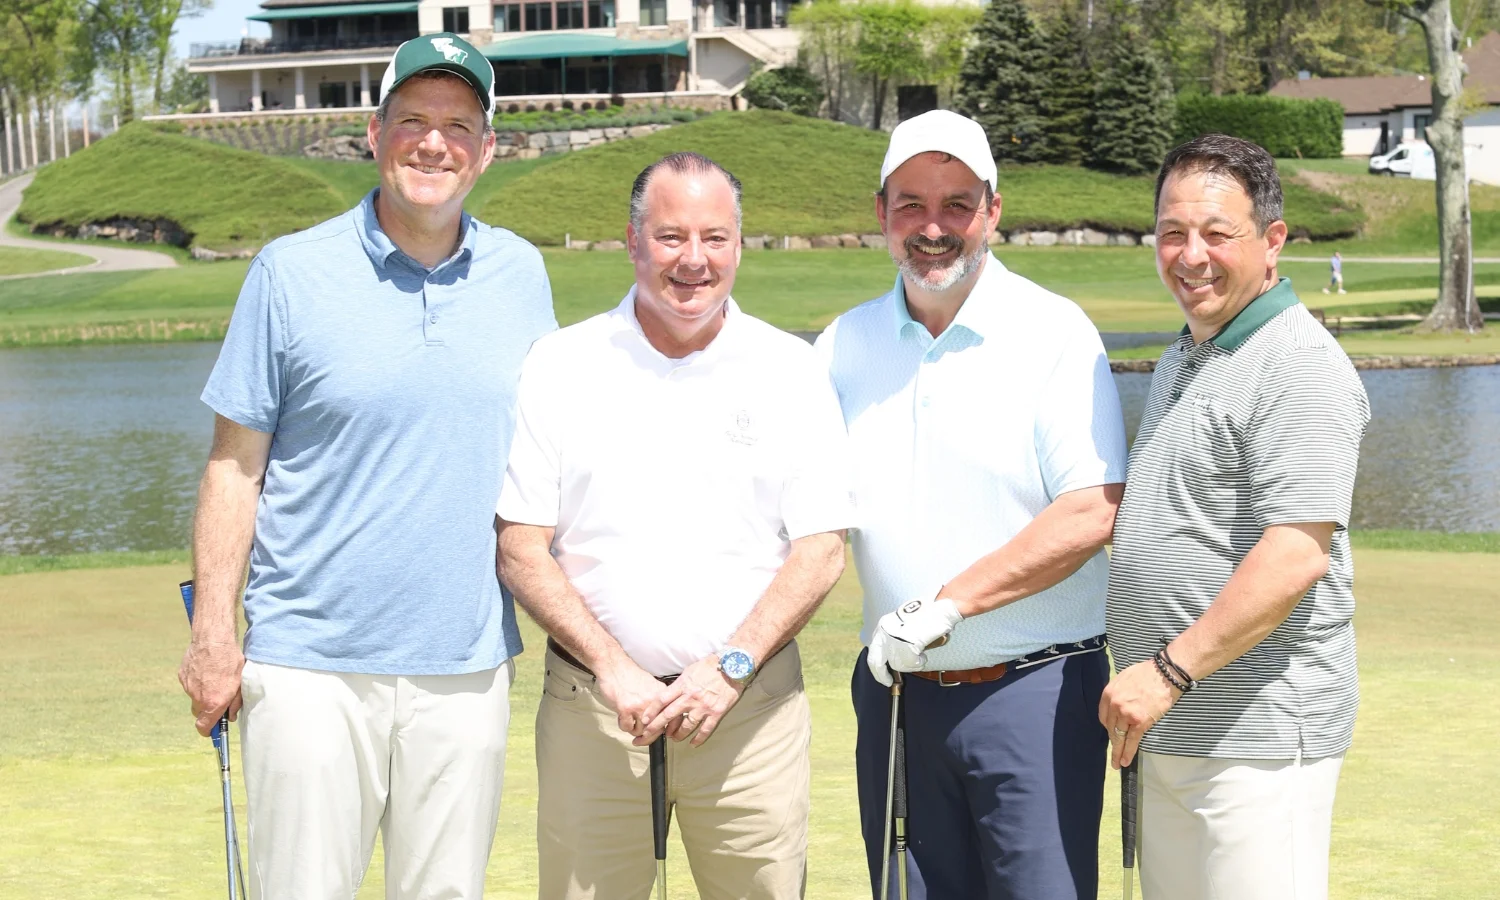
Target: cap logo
{"points": [[450, 53]]}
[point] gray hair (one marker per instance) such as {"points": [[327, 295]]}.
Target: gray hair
{"points": [[384, 109], [683, 163], [1219, 154]]}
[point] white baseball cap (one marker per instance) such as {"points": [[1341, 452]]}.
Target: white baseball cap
{"points": [[941, 131]]}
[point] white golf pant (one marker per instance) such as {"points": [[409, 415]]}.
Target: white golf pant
{"points": [[1236, 829], [329, 758]]}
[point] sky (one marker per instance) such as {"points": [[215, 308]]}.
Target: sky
{"points": [[225, 22]]}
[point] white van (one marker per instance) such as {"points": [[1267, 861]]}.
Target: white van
{"points": [[1412, 159]]}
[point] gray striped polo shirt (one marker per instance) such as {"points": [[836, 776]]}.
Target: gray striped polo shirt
{"points": [[1259, 426]]}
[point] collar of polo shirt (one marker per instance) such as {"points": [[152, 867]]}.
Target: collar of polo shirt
{"points": [[730, 312], [1256, 313], [380, 247], [978, 313]]}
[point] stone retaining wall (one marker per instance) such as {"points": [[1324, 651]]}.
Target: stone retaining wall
{"points": [[524, 145], [132, 231], [1080, 237], [1360, 362]]}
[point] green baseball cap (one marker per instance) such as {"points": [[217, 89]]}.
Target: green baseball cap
{"points": [[444, 52]]}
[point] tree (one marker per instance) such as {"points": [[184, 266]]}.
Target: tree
{"points": [[948, 34], [790, 88], [186, 92], [115, 35], [1455, 307], [829, 31], [1133, 109], [886, 50], [161, 20], [1002, 83], [1067, 102]]}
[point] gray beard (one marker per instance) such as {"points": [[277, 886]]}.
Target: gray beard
{"points": [[962, 268]]}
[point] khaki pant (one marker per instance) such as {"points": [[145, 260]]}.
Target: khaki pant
{"points": [[740, 800], [1236, 829], [330, 758]]}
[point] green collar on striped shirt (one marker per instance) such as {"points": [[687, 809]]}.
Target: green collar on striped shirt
{"points": [[1256, 313]]}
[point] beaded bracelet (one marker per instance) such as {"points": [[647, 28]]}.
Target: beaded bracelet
{"points": [[1168, 675], [1181, 672]]}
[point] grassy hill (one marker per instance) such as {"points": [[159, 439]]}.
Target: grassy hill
{"points": [[806, 177]]}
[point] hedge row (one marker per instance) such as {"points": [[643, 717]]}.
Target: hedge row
{"points": [[1306, 129]]}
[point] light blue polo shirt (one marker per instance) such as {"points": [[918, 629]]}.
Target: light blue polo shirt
{"points": [[389, 390], [959, 441]]}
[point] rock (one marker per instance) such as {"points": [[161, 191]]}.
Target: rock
{"points": [[339, 147], [560, 139], [578, 138], [597, 142], [1122, 239], [613, 134], [754, 242], [208, 255], [872, 241], [1020, 238], [825, 242], [638, 130], [795, 242], [849, 241], [609, 245], [997, 238], [537, 141], [1072, 237], [1148, 240], [1042, 238], [528, 153], [503, 151], [1091, 238], [596, 134], [580, 245]]}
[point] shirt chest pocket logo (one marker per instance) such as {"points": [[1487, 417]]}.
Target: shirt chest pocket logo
{"points": [[743, 430]]}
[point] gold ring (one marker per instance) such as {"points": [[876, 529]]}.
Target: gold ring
{"points": [[687, 719], [1120, 732]]}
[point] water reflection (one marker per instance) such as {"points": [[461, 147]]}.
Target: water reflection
{"points": [[101, 447]]}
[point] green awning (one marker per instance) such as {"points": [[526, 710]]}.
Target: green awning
{"points": [[322, 12], [557, 46]]}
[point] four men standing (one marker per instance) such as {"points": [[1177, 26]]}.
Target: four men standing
{"points": [[673, 509]]}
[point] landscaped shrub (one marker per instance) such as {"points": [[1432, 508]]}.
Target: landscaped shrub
{"points": [[790, 89], [1285, 127]]}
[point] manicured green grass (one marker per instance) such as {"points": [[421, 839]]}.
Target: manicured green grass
{"points": [[105, 790], [21, 565], [353, 180], [806, 176], [1427, 541], [802, 291], [1343, 166], [24, 261], [1401, 214], [225, 198]]}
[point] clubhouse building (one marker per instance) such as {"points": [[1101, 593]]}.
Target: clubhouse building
{"points": [[324, 54]]}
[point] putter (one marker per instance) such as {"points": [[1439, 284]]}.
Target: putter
{"points": [[220, 736], [898, 798], [659, 812], [1130, 783], [897, 746]]}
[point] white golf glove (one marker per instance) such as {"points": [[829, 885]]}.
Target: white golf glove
{"points": [[901, 636]]}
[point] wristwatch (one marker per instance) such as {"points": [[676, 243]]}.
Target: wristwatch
{"points": [[737, 665]]}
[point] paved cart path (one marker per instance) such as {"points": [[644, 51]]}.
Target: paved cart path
{"points": [[106, 259]]}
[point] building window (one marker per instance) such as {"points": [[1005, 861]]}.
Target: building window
{"points": [[1419, 125], [456, 19], [601, 13], [570, 14], [653, 12], [508, 17], [539, 16]]}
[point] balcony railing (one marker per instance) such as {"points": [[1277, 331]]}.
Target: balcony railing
{"points": [[266, 46]]}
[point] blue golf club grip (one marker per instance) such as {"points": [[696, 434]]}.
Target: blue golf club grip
{"points": [[186, 588], [1130, 782]]}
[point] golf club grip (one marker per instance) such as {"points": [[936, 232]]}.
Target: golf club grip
{"points": [[659, 796], [1130, 793], [898, 775], [186, 589]]}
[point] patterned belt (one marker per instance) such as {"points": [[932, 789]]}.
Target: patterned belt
{"points": [[954, 678]]}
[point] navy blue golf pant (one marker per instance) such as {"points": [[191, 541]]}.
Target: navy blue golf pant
{"points": [[1005, 782]]}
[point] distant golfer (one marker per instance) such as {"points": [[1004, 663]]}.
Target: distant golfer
{"points": [[988, 453], [674, 512], [1336, 273], [365, 396], [1230, 584]]}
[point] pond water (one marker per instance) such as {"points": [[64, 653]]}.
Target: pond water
{"points": [[101, 447]]}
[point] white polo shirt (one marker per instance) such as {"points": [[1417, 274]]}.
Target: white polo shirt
{"points": [[676, 486], [960, 441]]}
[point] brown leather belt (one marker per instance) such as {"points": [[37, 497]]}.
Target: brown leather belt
{"points": [[965, 676], [572, 660]]}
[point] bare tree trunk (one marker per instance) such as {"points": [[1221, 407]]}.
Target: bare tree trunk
{"points": [[51, 132], [10, 131], [1456, 307], [85, 123], [879, 91], [67, 139], [36, 158]]}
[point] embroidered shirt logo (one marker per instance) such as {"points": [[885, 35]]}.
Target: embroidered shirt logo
{"points": [[450, 53], [743, 433]]}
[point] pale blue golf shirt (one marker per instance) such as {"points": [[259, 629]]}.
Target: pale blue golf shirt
{"points": [[959, 441], [389, 390]]}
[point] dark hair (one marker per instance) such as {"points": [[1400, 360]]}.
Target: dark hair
{"points": [[682, 163], [1219, 154], [384, 109]]}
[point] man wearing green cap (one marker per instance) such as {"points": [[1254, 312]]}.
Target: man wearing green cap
{"points": [[365, 406]]}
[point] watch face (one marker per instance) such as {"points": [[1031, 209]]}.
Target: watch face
{"points": [[736, 664]]}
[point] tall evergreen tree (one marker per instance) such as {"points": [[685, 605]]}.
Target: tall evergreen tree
{"points": [[1069, 97], [1134, 109], [1002, 84]]}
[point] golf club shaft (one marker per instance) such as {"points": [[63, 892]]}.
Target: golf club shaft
{"points": [[890, 790], [1130, 783], [220, 737], [658, 757], [898, 796]]}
